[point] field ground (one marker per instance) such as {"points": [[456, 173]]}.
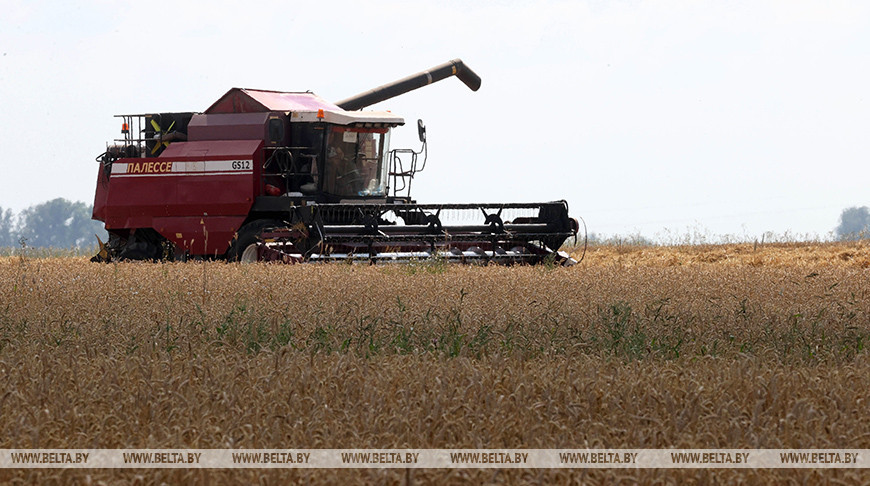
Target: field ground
{"points": [[735, 346]]}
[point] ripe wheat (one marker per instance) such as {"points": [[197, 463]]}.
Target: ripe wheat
{"points": [[712, 347]]}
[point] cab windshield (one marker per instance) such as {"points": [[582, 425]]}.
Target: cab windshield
{"points": [[356, 161]]}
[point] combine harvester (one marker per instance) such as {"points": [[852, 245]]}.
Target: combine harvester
{"points": [[278, 176]]}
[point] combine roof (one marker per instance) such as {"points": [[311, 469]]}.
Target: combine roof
{"points": [[243, 100], [304, 106]]}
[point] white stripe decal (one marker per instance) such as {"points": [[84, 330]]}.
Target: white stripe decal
{"points": [[173, 174], [157, 167]]}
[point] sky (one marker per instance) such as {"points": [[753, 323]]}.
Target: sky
{"points": [[659, 119]]}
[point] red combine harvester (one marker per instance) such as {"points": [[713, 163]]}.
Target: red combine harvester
{"points": [[274, 176]]}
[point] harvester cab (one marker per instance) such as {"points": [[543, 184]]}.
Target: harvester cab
{"points": [[320, 155], [289, 176]]}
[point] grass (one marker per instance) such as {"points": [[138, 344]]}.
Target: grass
{"points": [[41, 252]]}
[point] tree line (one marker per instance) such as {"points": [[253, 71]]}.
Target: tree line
{"points": [[58, 223], [854, 224]]}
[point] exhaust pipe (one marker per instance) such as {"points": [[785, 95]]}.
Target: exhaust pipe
{"points": [[390, 90]]}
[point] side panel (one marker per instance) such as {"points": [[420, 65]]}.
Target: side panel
{"points": [[200, 235], [196, 194], [229, 126], [101, 195]]}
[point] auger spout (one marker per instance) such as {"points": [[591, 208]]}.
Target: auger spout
{"points": [[390, 90]]}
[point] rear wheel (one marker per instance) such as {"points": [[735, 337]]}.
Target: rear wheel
{"points": [[244, 248]]}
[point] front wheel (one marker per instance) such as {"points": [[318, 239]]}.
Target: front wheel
{"points": [[244, 247], [143, 244]]}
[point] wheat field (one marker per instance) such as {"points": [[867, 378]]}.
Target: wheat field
{"points": [[731, 346]]}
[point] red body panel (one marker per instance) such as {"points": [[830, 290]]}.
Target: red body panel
{"points": [[233, 126], [196, 194]]}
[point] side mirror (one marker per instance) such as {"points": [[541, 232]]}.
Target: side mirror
{"points": [[421, 130]]}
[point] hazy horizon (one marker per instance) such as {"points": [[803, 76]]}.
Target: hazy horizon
{"points": [[647, 117]]}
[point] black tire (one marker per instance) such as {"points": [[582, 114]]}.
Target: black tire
{"points": [[143, 244], [248, 235]]}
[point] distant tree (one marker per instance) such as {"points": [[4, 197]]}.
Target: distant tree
{"points": [[854, 223], [58, 223], [7, 229]]}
